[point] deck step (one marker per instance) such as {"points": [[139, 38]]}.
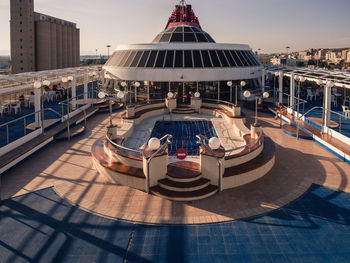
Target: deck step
{"points": [[184, 196], [184, 171], [291, 130], [264, 157], [184, 186], [75, 130]]}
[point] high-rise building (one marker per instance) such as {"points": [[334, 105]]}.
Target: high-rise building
{"points": [[41, 42]]}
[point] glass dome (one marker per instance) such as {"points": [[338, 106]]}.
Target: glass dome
{"points": [[181, 34]]}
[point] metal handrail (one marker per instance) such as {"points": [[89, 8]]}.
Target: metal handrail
{"points": [[161, 148], [121, 146], [201, 140], [220, 101], [323, 109], [246, 145]]}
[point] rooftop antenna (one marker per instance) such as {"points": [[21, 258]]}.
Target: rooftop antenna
{"points": [[183, 2]]}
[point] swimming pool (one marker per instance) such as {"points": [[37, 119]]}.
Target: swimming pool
{"points": [[184, 134]]}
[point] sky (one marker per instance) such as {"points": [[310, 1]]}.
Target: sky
{"points": [[270, 25]]}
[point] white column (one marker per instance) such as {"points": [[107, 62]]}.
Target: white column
{"points": [[103, 78], [327, 105], [218, 90], [263, 80], [280, 86], [74, 92], [85, 88], [292, 92], [37, 106]]}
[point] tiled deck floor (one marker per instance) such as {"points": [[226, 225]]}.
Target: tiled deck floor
{"points": [[68, 167], [41, 227]]}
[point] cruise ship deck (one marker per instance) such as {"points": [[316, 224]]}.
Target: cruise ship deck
{"points": [[179, 150]]}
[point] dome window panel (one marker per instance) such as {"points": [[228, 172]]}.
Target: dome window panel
{"points": [[210, 39], [236, 58], [156, 40], [222, 58], [245, 63], [127, 54], [179, 59], [188, 59], [170, 30], [177, 37], [179, 29], [119, 56], [256, 62], [206, 59], [165, 38], [160, 59], [247, 58], [136, 59], [169, 60], [230, 59], [215, 59], [197, 59], [151, 59], [201, 37], [130, 58], [143, 59], [189, 37], [187, 29], [196, 29]]}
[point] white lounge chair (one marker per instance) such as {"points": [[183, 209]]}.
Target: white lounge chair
{"points": [[310, 94], [346, 111]]}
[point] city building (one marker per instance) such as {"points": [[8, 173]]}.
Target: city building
{"points": [[41, 42]]}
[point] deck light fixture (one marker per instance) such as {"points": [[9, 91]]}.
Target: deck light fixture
{"points": [[197, 94], [37, 84], [154, 143], [214, 143]]}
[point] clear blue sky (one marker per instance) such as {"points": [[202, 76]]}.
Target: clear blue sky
{"points": [[267, 24]]}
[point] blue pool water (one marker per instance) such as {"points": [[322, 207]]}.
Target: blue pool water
{"points": [[184, 134]]}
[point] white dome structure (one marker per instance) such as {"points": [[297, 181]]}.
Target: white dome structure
{"points": [[183, 58]]}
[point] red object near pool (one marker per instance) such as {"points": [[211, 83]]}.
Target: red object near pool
{"points": [[181, 154]]}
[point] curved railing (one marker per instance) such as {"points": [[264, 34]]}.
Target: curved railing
{"points": [[202, 141], [258, 139], [124, 149], [219, 102]]}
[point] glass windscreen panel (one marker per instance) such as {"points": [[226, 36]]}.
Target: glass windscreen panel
{"points": [[178, 59], [151, 59], [125, 58], [136, 59], [230, 59], [206, 59], [197, 60], [239, 54], [236, 58], [247, 58], [160, 59], [169, 60], [119, 58], [187, 29], [188, 59], [214, 59], [143, 59], [222, 58]]}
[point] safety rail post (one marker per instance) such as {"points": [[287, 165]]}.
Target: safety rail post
{"points": [[24, 125], [7, 134], [42, 120]]}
